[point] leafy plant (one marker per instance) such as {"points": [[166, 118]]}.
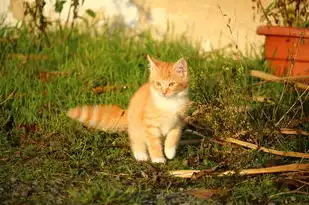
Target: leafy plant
{"points": [[59, 5], [293, 13], [39, 23]]}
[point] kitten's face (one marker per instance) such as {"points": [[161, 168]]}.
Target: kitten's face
{"points": [[168, 79]]}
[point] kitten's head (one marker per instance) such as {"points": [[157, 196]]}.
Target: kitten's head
{"points": [[168, 78]]}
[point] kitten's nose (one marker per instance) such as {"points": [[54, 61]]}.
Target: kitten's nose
{"points": [[164, 92]]}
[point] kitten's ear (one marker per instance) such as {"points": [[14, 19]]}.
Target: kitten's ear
{"points": [[181, 67], [152, 62]]}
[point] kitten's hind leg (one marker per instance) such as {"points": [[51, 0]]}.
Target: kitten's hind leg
{"points": [[171, 142]]}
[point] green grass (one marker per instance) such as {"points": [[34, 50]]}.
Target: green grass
{"points": [[47, 158]]}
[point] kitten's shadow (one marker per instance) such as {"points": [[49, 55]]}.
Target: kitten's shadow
{"points": [[193, 134]]}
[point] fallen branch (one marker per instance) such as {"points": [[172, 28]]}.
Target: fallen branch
{"points": [[243, 172], [273, 78], [264, 149]]}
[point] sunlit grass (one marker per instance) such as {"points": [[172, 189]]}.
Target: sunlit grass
{"points": [[47, 158]]}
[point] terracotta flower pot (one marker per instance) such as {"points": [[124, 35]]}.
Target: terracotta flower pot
{"points": [[285, 45]]}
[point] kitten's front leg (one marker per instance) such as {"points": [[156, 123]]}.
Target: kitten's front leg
{"points": [[139, 149], [171, 142], [153, 141], [138, 144]]}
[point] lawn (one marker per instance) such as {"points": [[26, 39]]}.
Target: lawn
{"points": [[47, 158]]}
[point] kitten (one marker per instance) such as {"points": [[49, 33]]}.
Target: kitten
{"points": [[154, 112]]}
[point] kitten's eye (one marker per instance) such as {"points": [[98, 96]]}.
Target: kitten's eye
{"points": [[158, 83], [171, 84]]}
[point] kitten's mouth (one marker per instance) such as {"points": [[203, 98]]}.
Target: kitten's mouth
{"points": [[167, 94]]}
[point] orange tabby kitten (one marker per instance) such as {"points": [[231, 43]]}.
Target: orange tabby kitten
{"points": [[154, 112]]}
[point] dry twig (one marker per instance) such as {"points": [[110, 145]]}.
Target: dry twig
{"points": [[264, 149], [273, 78], [288, 131]]}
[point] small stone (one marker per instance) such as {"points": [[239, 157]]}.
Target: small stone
{"points": [[13, 179], [24, 193]]}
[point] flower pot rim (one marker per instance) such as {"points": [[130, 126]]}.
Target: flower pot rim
{"points": [[269, 30]]}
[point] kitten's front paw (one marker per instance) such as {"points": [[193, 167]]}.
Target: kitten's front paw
{"points": [[170, 152], [158, 160], [141, 156]]}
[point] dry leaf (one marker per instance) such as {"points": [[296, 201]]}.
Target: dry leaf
{"points": [[29, 127], [43, 77], [11, 38], [26, 57], [46, 76], [4, 159], [144, 175], [296, 122], [3, 73], [108, 88], [262, 99], [203, 193]]}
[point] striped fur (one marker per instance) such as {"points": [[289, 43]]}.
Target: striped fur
{"points": [[153, 112], [109, 118]]}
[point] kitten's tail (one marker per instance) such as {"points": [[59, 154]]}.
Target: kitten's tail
{"points": [[110, 118]]}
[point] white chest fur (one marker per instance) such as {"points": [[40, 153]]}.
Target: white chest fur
{"points": [[171, 107]]}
